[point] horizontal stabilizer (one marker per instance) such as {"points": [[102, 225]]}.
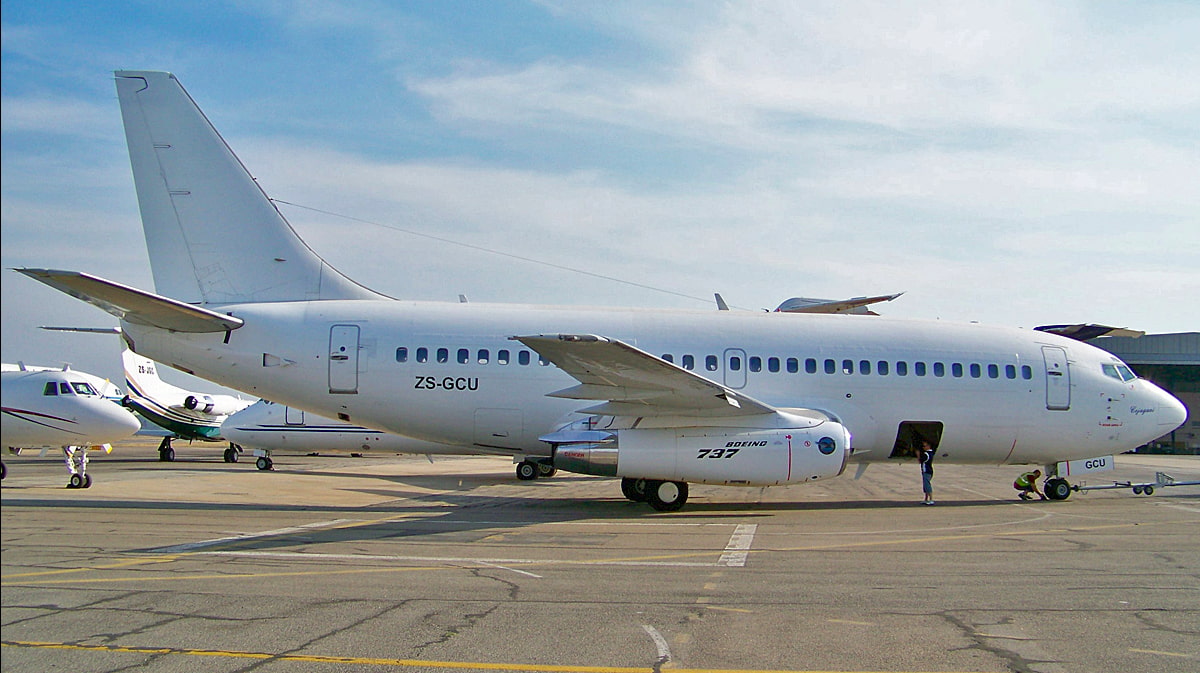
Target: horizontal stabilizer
{"points": [[132, 305]]}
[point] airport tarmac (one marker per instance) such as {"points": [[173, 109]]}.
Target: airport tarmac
{"points": [[387, 563]]}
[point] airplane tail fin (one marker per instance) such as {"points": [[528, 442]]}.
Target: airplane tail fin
{"points": [[213, 235]]}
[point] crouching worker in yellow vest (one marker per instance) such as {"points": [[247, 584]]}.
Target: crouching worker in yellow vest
{"points": [[1027, 483]]}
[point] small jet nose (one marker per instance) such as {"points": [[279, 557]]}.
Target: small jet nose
{"points": [[121, 424]]}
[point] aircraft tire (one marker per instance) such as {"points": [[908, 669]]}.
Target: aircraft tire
{"points": [[634, 489], [3, 470], [666, 496], [1148, 490], [1058, 489], [263, 463], [527, 471], [546, 471], [76, 481], [87, 481], [1137, 490], [167, 455]]}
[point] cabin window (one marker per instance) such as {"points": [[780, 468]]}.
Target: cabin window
{"points": [[523, 358], [881, 367], [901, 368], [402, 354], [464, 356], [1010, 371], [773, 365], [830, 366], [810, 365], [1026, 372], [52, 389], [710, 363], [483, 356], [689, 362], [957, 370], [735, 364], [443, 355], [793, 365], [939, 369], [919, 368], [422, 354], [993, 371], [755, 363], [502, 357], [847, 366], [668, 357], [864, 367], [976, 370]]}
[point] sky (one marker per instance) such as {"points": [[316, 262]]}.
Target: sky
{"points": [[1016, 163]]}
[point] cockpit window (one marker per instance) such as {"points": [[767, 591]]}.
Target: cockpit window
{"points": [[82, 388], [1119, 372], [50, 389]]}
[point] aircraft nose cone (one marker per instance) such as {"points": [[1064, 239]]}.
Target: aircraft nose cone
{"points": [[1174, 413]]}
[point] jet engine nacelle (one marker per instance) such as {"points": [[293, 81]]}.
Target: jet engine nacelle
{"points": [[215, 405], [719, 455]]}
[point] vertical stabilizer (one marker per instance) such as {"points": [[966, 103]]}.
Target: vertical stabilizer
{"points": [[213, 235]]}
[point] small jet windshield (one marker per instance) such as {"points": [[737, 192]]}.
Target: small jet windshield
{"points": [[82, 388]]}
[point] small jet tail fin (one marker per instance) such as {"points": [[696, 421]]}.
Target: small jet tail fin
{"points": [[213, 235]]}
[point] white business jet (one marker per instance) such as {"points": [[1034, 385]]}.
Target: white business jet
{"points": [[658, 398], [185, 414], [264, 427], [51, 408]]}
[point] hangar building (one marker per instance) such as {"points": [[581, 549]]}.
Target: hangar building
{"points": [[1173, 362]]}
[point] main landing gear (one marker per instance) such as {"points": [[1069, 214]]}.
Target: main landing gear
{"points": [[664, 496], [528, 470], [166, 453]]}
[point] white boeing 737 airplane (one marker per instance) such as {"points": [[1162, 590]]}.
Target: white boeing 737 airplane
{"points": [[659, 398]]}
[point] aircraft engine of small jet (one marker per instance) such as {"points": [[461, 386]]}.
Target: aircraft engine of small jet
{"points": [[216, 405], [707, 455]]}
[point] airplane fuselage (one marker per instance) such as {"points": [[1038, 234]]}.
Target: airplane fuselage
{"points": [[449, 373]]}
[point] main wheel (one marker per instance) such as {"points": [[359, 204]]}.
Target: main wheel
{"points": [[1058, 489], [166, 455], [527, 471], [545, 471], [87, 481], [634, 489], [76, 481], [666, 496], [263, 463]]}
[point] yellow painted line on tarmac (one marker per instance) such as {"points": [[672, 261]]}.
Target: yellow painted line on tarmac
{"points": [[1182, 655], [394, 663], [107, 566]]}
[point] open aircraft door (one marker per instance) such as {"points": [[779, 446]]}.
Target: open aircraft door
{"points": [[343, 359], [1058, 378]]}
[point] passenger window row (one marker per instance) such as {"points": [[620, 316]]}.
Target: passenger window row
{"points": [[465, 356], [753, 363], [848, 367]]}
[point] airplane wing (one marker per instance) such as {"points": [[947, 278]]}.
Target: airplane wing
{"points": [[854, 305], [1086, 332], [632, 382], [133, 305]]}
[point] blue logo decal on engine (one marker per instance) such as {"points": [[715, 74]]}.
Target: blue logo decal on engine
{"points": [[826, 445]]}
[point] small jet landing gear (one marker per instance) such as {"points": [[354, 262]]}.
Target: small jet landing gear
{"points": [[166, 453], [232, 453], [77, 460]]}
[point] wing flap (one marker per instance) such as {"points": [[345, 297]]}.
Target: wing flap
{"points": [[631, 382], [132, 305]]}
